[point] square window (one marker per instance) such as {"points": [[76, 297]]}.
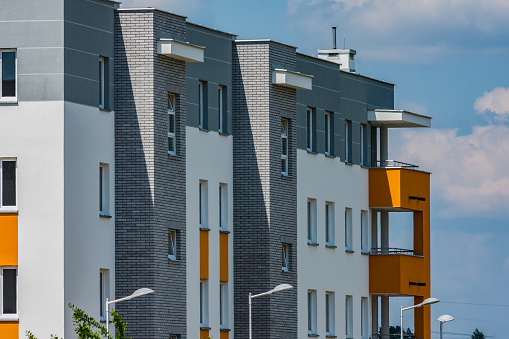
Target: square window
{"points": [[8, 292], [8, 76], [172, 125], [311, 221], [284, 146], [172, 244], [7, 184]]}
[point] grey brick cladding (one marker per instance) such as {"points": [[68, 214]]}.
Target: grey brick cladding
{"points": [[150, 184], [265, 202]]}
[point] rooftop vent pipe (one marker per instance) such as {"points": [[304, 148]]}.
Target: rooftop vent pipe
{"points": [[333, 37]]}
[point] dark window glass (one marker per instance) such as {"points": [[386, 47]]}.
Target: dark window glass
{"points": [[8, 74], [9, 291], [8, 183]]}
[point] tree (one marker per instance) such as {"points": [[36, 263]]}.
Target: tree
{"points": [[478, 335]]}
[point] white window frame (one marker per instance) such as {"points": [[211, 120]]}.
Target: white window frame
{"points": [[172, 244], [103, 86], [223, 305], [284, 146], [104, 292], [312, 328], [328, 132], [310, 132], [330, 314], [15, 97], [285, 257], [204, 303], [203, 205], [172, 135], [223, 207], [330, 228], [8, 316], [348, 141], [221, 107], [364, 232], [104, 189], [311, 221], [15, 207], [201, 107], [348, 230], [349, 316], [364, 318]]}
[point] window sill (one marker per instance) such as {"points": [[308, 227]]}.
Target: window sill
{"points": [[364, 253], [224, 231], [175, 260], [8, 210], [312, 152], [349, 251], [286, 176], [330, 246], [205, 328], [204, 229], [9, 317], [106, 110], [224, 329], [348, 163], [13, 101], [313, 335], [313, 243], [204, 129], [332, 156], [174, 155], [224, 135], [105, 216], [287, 272], [330, 336]]}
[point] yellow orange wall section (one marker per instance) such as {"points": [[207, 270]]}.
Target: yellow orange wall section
{"points": [[223, 257], [9, 257], [9, 330], [204, 254]]}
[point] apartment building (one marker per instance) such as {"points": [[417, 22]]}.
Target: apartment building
{"points": [[203, 167]]}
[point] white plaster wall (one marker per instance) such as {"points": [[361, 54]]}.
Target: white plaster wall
{"points": [[209, 156], [327, 269], [89, 238], [32, 132]]}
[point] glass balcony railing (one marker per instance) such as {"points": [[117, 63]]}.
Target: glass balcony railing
{"points": [[393, 163]]}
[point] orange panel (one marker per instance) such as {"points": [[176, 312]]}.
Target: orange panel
{"points": [[204, 254], [224, 335], [204, 334], [223, 257], [8, 240], [9, 330]]}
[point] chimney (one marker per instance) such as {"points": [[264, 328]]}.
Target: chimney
{"points": [[344, 57]]}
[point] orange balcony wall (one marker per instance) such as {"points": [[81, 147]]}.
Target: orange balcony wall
{"points": [[8, 240], [399, 187], [399, 274]]}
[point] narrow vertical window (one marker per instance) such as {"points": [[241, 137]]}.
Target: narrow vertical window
{"points": [[204, 303], [312, 312], [311, 129], [203, 201], [203, 104], [330, 314], [311, 221], [223, 207], [8, 75], [8, 293], [364, 232], [349, 316], [348, 229], [364, 145], [7, 183], [364, 318], [104, 284], [348, 141], [172, 244], [285, 265], [329, 133], [223, 109], [284, 146], [172, 140], [104, 190], [223, 305], [103, 82], [329, 224]]}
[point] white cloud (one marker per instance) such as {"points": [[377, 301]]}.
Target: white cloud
{"points": [[496, 101]]}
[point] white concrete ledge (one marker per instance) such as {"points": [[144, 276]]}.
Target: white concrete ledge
{"points": [[397, 118], [290, 79], [180, 50]]}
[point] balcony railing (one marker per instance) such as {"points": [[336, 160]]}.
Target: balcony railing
{"points": [[392, 336], [393, 163], [391, 250]]}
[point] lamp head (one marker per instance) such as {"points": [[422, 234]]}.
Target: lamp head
{"points": [[444, 318], [429, 301], [280, 288], [140, 292]]}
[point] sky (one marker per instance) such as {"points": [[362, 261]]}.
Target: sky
{"points": [[449, 59]]}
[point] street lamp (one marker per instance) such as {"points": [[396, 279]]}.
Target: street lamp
{"points": [[136, 294], [428, 301], [444, 318], [276, 289]]}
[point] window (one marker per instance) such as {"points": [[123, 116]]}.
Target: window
{"points": [[7, 183], [348, 141], [285, 256], [364, 232], [203, 104], [174, 336], [311, 129], [172, 244], [364, 318], [329, 133], [104, 287], [204, 208], [8, 63], [284, 146], [223, 207], [8, 293], [311, 210], [329, 224], [312, 312], [349, 316], [223, 109], [172, 140], [104, 189], [348, 229], [364, 145], [223, 305], [204, 303], [103, 82], [330, 314]]}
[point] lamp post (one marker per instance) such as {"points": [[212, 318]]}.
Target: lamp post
{"points": [[136, 294], [428, 301], [278, 288], [444, 318]]}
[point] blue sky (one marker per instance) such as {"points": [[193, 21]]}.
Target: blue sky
{"points": [[449, 59]]}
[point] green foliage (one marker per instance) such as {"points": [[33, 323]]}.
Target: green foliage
{"points": [[478, 335]]}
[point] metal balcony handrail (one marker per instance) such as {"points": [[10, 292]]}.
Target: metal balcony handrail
{"points": [[393, 163], [392, 336], [391, 250]]}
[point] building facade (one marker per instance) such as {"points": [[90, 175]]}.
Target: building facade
{"points": [[203, 167]]}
